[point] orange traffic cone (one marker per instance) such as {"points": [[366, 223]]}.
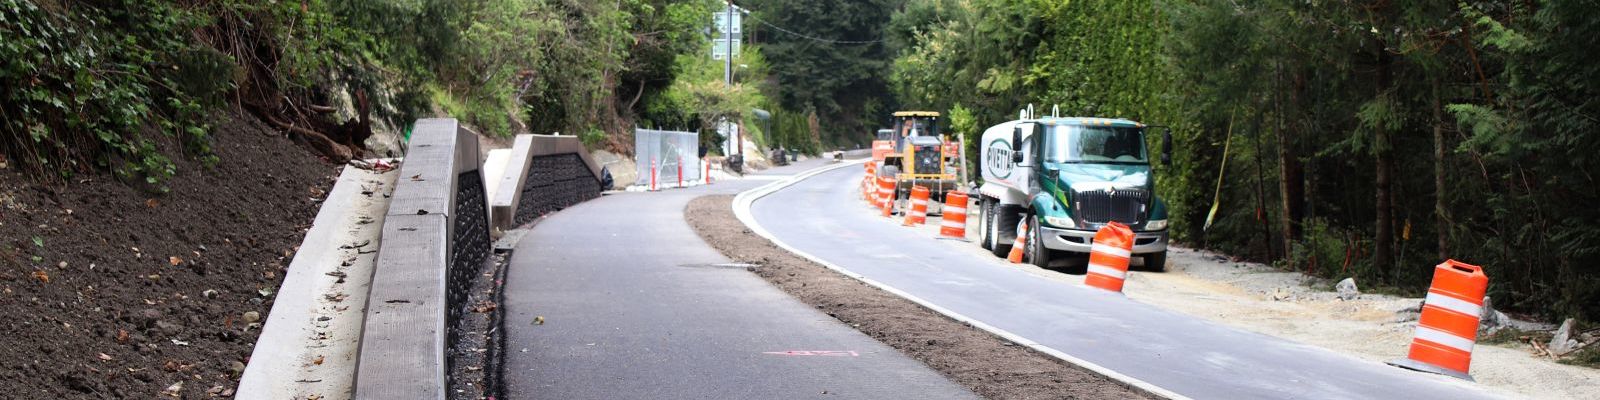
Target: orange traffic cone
{"points": [[919, 206], [1448, 327], [1108, 257], [1016, 246], [886, 195], [954, 224]]}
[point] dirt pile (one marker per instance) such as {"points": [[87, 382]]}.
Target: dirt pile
{"points": [[111, 291]]}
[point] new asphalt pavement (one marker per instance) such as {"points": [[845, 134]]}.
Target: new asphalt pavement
{"points": [[617, 298], [824, 216]]}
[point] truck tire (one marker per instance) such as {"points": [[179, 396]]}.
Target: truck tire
{"points": [[1156, 262], [1006, 218], [986, 234], [1035, 252]]}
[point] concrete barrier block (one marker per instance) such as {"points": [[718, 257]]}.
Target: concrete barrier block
{"points": [[403, 345], [503, 203], [439, 151]]}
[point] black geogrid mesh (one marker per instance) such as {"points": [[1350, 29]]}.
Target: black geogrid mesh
{"points": [[470, 243], [555, 182]]}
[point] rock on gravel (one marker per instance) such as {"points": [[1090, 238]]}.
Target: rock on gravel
{"points": [[1347, 289], [1563, 342]]}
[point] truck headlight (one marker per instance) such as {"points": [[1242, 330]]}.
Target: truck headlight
{"points": [[1155, 225], [1060, 222]]}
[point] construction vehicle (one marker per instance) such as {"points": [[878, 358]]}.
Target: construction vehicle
{"points": [[1068, 177], [915, 154]]}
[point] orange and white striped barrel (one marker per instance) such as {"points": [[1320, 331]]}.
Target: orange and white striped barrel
{"points": [[954, 224], [1108, 257], [886, 195], [919, 206], [869, 188], [1015, 257], [1448, 327]]}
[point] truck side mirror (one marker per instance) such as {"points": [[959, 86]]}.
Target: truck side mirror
{"points": [[1016, 145], [1166, 147]]}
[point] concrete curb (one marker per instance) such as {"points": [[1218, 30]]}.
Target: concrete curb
{"points": [[741, 209], [303, 325]]}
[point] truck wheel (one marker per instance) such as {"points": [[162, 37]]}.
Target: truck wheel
{"points": [[1005, 218], [986, 234], [1156, 262], [1035, 252]]}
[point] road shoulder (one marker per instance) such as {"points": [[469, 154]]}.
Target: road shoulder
{"points": [[988, 365]]}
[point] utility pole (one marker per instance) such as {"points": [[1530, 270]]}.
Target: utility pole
{"points": [[727, 66]]}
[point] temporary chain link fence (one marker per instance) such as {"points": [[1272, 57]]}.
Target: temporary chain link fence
{"points": [[667, 150]]}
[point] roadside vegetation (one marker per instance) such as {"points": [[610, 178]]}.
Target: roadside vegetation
{"points": [[1366, 139], [129, 85]]}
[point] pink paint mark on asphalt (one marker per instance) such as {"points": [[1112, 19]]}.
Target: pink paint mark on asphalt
{"points": [[823, 353]]}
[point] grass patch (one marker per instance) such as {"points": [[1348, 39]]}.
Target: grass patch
{"points": [[1587, 357], [1506, 336]]}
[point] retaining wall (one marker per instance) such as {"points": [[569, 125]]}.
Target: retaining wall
{"points": [[544, 174], [437, 223]]}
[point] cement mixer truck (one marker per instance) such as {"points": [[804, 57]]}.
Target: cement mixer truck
{"points": [[1068, 177]]}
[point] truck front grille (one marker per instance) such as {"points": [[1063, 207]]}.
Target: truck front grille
{"points": [[1102, 206]]}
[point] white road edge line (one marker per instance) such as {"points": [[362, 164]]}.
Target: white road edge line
{"points": [[741, 209]]}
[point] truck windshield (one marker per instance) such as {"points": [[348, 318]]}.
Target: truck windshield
{"points": [[1094, 144]]}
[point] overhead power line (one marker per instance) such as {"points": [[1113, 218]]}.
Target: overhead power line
{"points": [[813, 38]]}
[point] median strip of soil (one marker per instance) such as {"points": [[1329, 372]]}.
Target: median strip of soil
{"points": [[986, 364]]}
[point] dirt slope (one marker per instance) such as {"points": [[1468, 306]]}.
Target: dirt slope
{"points": [[110, 291]]}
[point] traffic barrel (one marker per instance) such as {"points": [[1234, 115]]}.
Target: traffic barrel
{"points": [[1448, 327], [1108, 257], [869, 191], [919, 206], [886, 195], [954, 224], [1022, 240]]}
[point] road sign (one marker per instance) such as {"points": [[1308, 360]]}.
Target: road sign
{"points": [[721, 18], [720, 47], [727, 26]]}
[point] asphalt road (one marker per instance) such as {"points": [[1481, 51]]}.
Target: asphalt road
{"points": [[634, 306], [824, 216]]}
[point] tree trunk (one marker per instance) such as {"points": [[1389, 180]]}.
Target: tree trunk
{"points": [[1291, 181], [1440, 210], [1383, 243], [1262, 215]]}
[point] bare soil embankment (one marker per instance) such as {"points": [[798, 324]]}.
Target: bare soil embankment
{"points": [[111, 291]]}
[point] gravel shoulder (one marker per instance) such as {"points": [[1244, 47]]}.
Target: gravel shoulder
{"points": [[1291, 305], [1373, 327], [988, 365]]}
